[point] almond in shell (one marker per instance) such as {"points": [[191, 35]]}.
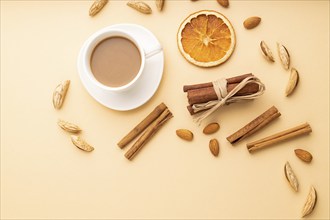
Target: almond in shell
{"points": [[310, 202], [60, 93], [293, 82], [185, 134], [140, 6], [69, 127], [266, 51], [97, 7], [81, 143], [160, 4], [291, 177], [284, 56], [303, 155]]}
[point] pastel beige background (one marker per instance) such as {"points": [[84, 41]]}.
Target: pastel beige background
{"points": [[43, 176]]}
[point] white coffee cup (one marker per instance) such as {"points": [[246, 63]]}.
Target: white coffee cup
{"points": [[103, 34]]}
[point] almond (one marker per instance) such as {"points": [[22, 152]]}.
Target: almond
{"points": [[185, 134], [284, 56], [140, 6], [214, 147], [160, 4], [251, 22], [97, 7], [60, 93], [223, 3], [310, 202], [211, 128], [293, 82], [69, 127], [81, 143], [266, 51], [303, 155], [291, 177]]}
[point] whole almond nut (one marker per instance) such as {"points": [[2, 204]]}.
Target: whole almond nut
{"points": [[223, 3], [214, 147], [303, 155], [251, 22], [211, 128], [185, 134]]}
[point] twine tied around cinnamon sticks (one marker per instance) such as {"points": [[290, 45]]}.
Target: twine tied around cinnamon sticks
{"points": [[226, 97]]}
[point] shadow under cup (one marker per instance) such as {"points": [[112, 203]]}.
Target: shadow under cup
{"points": [[113, 60]]}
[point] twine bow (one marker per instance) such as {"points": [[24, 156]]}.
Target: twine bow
{"points": [[225, 97]]}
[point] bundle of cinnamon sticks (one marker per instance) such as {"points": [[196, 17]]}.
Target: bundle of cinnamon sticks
{"points": [[150, 125], [204, 92]]}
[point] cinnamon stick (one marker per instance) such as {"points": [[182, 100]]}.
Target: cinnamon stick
{"points": [[278, 137], [232, 80], [150, 131], [142, 125], [255, 125], [206, 94]]}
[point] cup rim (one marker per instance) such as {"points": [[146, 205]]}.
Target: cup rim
{"points": [[93, 41]]}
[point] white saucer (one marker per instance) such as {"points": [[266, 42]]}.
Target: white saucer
{"points": [[147, 84]]}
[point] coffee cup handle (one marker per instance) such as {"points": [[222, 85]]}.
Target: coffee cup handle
{"points": [[153, 51]]}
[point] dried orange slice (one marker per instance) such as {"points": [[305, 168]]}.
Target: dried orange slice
{"points": [[206, 38]]}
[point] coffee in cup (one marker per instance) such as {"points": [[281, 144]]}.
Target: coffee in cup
{"points": [[115, 61]]}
